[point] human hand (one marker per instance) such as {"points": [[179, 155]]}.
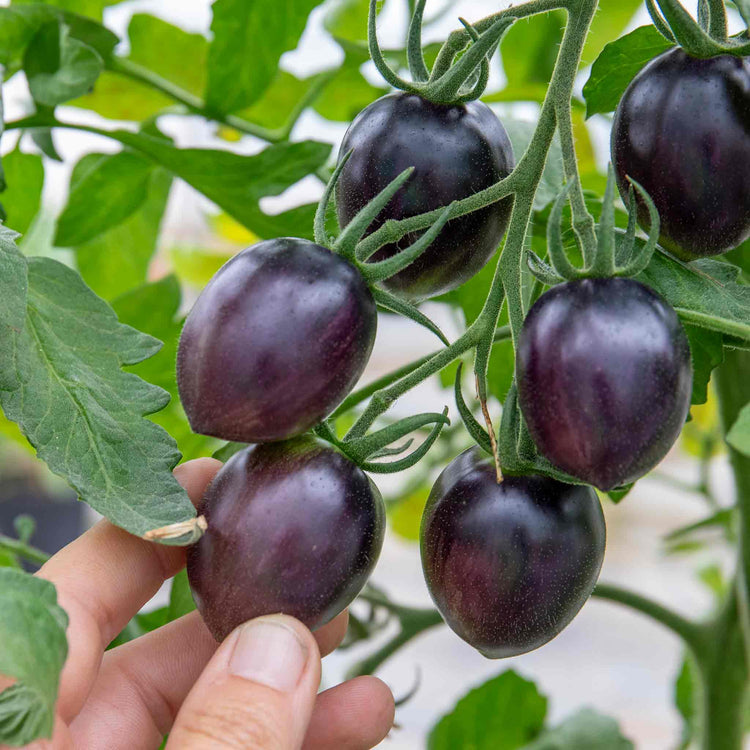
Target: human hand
{"points": [[257, 690]]}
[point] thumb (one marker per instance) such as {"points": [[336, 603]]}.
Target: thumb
{"points": [[257, 692]]}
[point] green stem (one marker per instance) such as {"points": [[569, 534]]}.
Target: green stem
{"points": [[26, 551], [393, 231], [531, 166], [692, 633], [723, 677], [583, 221], [136, 72], [383, 398], [357, 397], [412, 623], [458, 39], [717, 27], [732, 380]]}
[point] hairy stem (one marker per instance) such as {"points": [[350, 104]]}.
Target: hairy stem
{"points": [[583, 221], [732, 380], [358, 396], [136, 72], [692, 633], [23, 550], [412, 622]]}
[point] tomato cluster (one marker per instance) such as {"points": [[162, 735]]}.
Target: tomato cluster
{"points": [[280, 336], [285, 329]]}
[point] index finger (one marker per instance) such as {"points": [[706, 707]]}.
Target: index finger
{"points": [[103, 578]]}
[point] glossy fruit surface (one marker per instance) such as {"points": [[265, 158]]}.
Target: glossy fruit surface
{"points": [[604, 378], [682, 129], [456, 151], [293, 527], [275, 342], [509, 565]]}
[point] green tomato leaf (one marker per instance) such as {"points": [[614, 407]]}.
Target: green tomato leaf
{"points": [[42, 137], [348, 92], [236, 182], [617, 65], [24, 179], [91, 8], [105, 189], [707, 352], [59, 67], [164, 50], [347, 20], [13, 286], [81, 412], [705, 293], [19, 24], [530, 47], [585, 730], [684, 701], [503, 714], [239, 68], [33, 648], [279, 100], [610, 20], [739, 434], [118, 260]]}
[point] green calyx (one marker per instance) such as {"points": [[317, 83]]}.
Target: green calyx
{"points": [[365, 449], [616, 253], [706, 37], [349, 244], [455, 78]]}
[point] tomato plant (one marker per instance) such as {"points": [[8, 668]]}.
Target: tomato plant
{"points": [[593, 326]]}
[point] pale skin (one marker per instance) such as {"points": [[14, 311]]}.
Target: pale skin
{"points": [[175, 680]]}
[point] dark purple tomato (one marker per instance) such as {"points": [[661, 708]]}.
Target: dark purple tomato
{"points": [[456, 151], [293, 527], [275, 342], [682, 129], [604, 379], [509, 565]]}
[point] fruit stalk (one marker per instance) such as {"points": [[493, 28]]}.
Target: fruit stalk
{"points": [[723, 674]]}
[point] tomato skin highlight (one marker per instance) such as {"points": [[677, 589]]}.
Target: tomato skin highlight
{"points": [[682, 130], [604, 379], [293, 527], [275, 342], [509, 565], [456, 151]]}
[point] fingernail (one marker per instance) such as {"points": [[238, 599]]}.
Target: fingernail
{"points": [[269, 653]]}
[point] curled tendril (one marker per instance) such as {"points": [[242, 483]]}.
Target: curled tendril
{"points": [[392, 467]]}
